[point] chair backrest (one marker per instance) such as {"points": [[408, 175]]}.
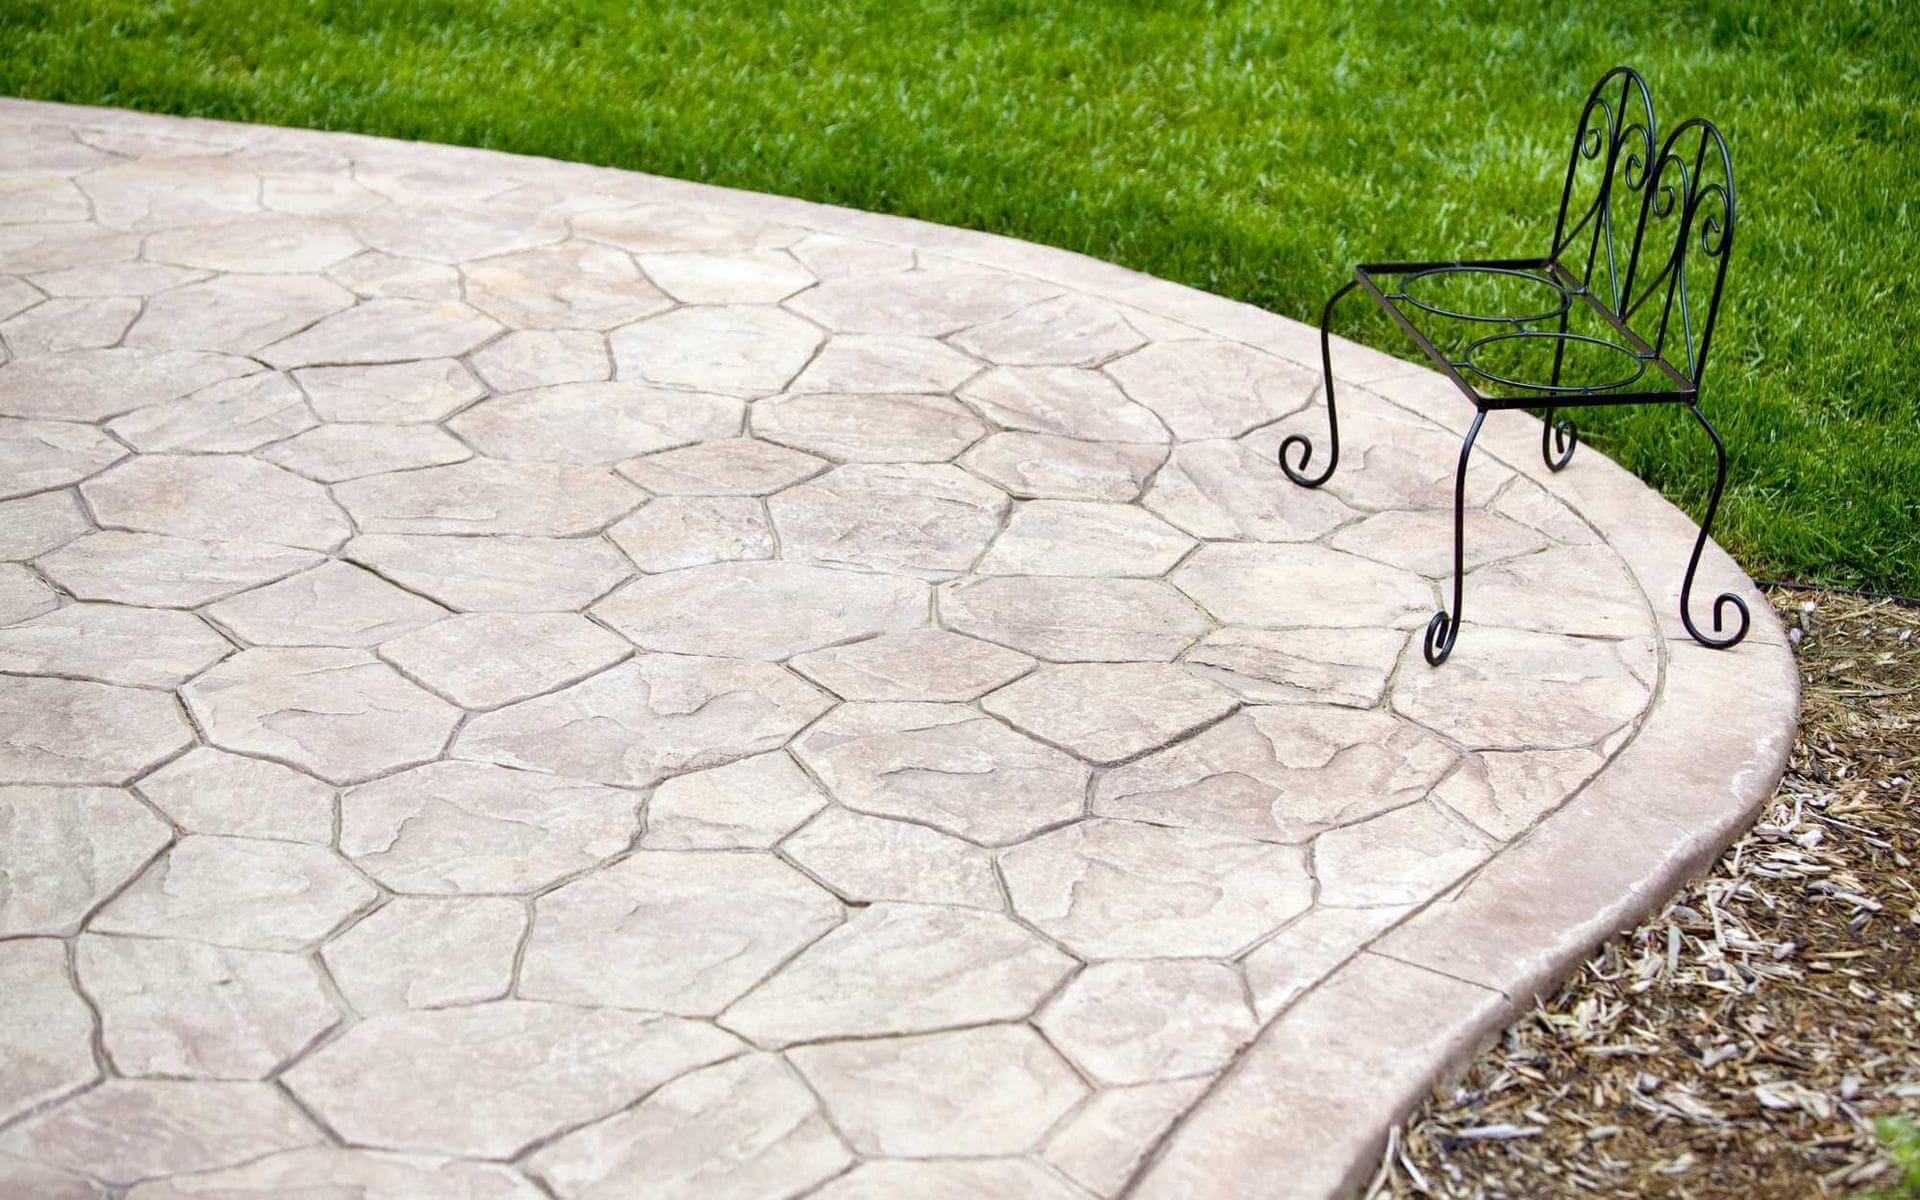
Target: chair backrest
{"points": [[1678, 203]]}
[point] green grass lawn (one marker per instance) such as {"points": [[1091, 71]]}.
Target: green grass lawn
{"points": [[1252, 149]]}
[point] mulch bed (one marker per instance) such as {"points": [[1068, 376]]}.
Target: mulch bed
{"points": [[1740, 1043]]}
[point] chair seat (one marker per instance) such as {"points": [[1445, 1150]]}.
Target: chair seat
{"points": [[1546, 319]]}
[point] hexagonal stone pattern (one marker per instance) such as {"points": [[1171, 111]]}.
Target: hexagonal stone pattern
{"points": [[127, 1130], [648, 718], [46, 1030], [921, 664], [1281, 774], [341, 714], [155, 1020], [869, 428], [724, 609], [239, 892], [902, 968], [992, 1090], [69, 731], [743, 1128], [927, 519], [1075, 620], [1139, 1021], [428, 952], [1112, 889], [672, 931], [944, 765], [1107, 712], [470, 827], [67, 850], [473, 1080], [484, 660], [749, 804], [597, 686]]}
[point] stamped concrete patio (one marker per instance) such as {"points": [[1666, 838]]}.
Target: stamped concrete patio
{"points": [[529, 680]]}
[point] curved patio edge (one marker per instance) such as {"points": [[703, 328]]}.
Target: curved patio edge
{"points": [[1305, 1110]]}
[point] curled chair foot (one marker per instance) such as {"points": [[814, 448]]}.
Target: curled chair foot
{"points": [[1724, 600], [1441, 632], [1298, 471], [1558, 437]]}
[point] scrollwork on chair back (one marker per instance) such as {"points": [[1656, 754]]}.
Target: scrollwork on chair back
{"points": [[1608, 169], [1681, 246]]}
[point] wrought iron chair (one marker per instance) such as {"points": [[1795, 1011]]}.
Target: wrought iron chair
{"points": [[1645, 320]]}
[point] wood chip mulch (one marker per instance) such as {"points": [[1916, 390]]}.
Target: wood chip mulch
{"points": [[1741, 1043]]}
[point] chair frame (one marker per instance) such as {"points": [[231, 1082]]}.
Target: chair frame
{"points": [[1689, 184]]}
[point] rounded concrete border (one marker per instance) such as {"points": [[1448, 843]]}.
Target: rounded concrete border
{"points": [[1305, 1110]]}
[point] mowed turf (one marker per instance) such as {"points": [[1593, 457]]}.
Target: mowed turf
{"points": [[1255, 150]]}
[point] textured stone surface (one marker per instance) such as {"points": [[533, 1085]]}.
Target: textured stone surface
{"points": [[869, 428], [535, 499], [1136, 1022], [51, 454], [341, 714], [741, 349], [474, 1081], [156, 1019], [672, 532], [747, 1128], [335, 604], [1109, 711], [239, 892], [927, 519], [1044, 466], [336, 453], [67, 850], [168, 572], [223, 498], [485, 660], [672, 931], [1281, 773], [1076, 537], [944, 765], [1075, 620], [867, 859], [495, 574], [653, 385], [594, 423], [426, 390], [126, 1130], [770, 610], [374, 1175], [1290, 586], [227, 418], [470, 827], [902, 968], [210, 791], [992, 1090], [656, 715], [1065, 402], [921, 664], [734, 467], [749, 804], [428, 952], [1111, 889], [69, 731], [46, 1030], [110, 643]]}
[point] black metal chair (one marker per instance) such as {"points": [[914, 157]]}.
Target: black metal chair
{"points": [[1644, 321]]}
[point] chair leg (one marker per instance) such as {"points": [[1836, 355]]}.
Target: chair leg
{"points": [[1558, 437], [1445, 626], [1724, 600], [1297, 473]]}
